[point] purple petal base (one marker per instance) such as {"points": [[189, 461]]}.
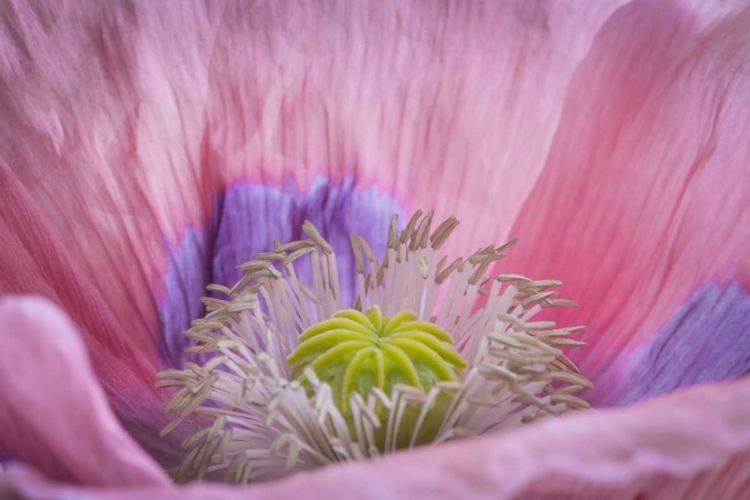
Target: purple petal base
{"points": [[706, 340], [246, 220]]}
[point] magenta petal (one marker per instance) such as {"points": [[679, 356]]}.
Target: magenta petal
{"points": [[53, 412]]}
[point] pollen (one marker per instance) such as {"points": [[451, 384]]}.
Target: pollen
{"points": [[290, 378]]}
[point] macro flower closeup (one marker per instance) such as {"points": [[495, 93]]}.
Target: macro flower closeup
{"points": [[298, 381], [231, 249]]}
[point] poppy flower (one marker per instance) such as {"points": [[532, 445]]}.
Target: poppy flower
{"points": [[148, 149]]}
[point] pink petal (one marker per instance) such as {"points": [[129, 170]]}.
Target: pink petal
{"points": [[644, 198], [693, 444], [119, 123], [451, 106], [35, 258], [53, 413], [143, 112], [81, 181]]}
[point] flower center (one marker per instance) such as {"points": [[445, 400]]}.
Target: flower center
{"points": [[356, 352], [284, 391]]}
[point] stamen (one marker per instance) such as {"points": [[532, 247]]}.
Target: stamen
{"points": [[295, 380]]}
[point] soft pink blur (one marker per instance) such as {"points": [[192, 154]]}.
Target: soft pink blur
{"points": [[53, 412]]}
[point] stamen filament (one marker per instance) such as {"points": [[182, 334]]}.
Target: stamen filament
{"points": [[293, 381]]}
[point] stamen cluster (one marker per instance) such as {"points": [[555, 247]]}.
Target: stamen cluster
{"points": [[271, 413]]}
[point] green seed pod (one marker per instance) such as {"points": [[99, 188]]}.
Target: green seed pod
{"points": [[356, 352]]}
